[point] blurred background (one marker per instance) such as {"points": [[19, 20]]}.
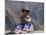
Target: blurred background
{"points": [[13, 13]]}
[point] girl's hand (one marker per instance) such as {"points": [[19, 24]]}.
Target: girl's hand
{"points": [[27, 30]]}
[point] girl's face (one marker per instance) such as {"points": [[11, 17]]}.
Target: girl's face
{"points": [[25, 13]]}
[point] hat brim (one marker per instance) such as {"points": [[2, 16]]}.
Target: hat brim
{"points": [[25, 10]]}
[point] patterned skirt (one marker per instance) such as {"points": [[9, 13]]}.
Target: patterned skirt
{"points": [[23, 26]]}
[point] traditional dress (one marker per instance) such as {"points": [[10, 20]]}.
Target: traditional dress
{"points": [[24, 25]]}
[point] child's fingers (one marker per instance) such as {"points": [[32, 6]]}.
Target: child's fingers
{"points": [[30, 30]]}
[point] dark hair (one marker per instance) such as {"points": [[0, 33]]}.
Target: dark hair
{"points": [[25, 10]]}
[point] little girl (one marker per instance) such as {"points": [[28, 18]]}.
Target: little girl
{"points": [[25, 24]]}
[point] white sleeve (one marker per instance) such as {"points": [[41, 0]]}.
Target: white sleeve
{"points": [[29, 20]]}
